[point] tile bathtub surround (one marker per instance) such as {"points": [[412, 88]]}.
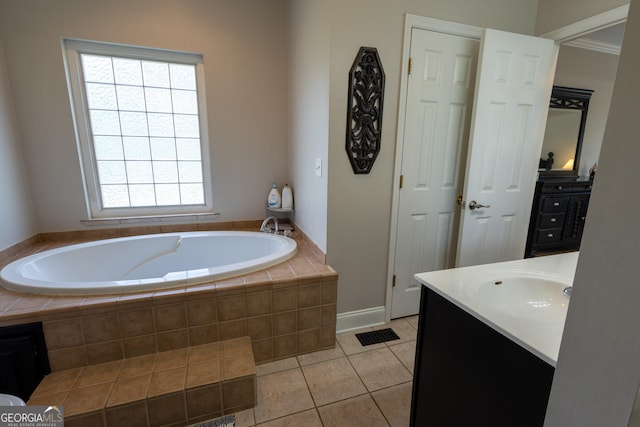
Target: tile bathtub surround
{"points": [[180, 386], [287, 310]]}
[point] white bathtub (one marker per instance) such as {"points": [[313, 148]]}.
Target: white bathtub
{"points": [[146, 262]]}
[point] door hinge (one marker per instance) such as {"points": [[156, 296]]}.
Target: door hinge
{"points": [[401, 180], [393, 281], [410, 64]]}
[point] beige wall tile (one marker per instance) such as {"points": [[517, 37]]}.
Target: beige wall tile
{"points": [[232, 329], [127, 415], [240, 393], [259, 303], [167, 410], [136, 322], [203, 334], [329, 315], [67, 358], [285, 323], [308, 340], [327, 336], [262, 350], [285, 346], [205, 352], [285, 299], [172, 340], [202, 312], [260, 327], [104, 352], [138, 346], [55, 399], [309, 296], [231, 307], [62, 333], [330, 293], [309, 318], [101, 328], [171, 359], [235, 347], [204, 401], [170, 317], [94, 419]]}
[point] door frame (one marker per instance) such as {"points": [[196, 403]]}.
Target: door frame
{"points": [[412, 22], [597, 22]]}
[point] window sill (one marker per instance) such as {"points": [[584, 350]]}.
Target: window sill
{"points": [[150, 219]]}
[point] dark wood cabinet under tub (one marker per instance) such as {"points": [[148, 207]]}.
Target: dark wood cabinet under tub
{"points": [[468, 374], [558, 216]]}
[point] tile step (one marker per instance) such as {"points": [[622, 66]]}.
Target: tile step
{"points": [[186, 385]]}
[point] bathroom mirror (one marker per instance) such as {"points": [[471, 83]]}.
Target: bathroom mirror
{"points": [[566, 121]]}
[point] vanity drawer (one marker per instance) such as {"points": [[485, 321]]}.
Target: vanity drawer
{"points": [[551, 220], [554, 204], [549, 236]]}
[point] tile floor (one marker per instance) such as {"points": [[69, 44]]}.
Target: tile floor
{"points": [[348, 386]]}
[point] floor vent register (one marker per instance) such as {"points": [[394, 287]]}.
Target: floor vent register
{"points": [[376, 337]]}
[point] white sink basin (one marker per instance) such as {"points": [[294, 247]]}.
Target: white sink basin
{"points": [[531, 298]]}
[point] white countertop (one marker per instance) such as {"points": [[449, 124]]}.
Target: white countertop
{"points": [[483, 290]]}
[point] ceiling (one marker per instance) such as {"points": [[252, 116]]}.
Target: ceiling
{"points": [[607, 40]]}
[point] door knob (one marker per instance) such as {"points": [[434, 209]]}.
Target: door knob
{"points": [[475, 205]]}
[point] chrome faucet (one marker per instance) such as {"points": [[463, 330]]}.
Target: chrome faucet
{"points": [[567, 292], [263, 227]]}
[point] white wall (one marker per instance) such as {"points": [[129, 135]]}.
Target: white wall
{"points": [[17, 221], [587, 69], [244, 43], [598, 368], [359, 206], [309, 114]]}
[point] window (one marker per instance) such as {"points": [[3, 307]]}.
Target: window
{"points": [[139, 116]]}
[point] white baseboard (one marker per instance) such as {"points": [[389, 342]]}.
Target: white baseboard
{"points": [[360, 319]]}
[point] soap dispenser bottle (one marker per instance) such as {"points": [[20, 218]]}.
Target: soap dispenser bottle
{"points": [[274, 200], [287, 197]]}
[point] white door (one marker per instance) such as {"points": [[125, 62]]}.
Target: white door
{"points": [[439, 97], [513, 86], [505, 151]]}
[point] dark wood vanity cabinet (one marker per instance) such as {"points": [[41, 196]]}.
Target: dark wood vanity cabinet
{"points": [[557, 216]]}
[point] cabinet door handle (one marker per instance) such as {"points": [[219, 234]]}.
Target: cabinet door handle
{"points": [[556, 203], [552, 220], [550, 235]]}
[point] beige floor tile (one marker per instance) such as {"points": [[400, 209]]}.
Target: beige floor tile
{"points": [[402, 328], [333, 380], [320, 356], [379, 369], [412, 320], [359, 411], [245, 418], [406, 352], [350, 344], [280, 394], [395, 403], [277, 366], [308, 418]]}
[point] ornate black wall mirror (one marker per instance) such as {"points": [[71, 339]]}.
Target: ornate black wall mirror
{"points": [[364, 110], [563, 135]]}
